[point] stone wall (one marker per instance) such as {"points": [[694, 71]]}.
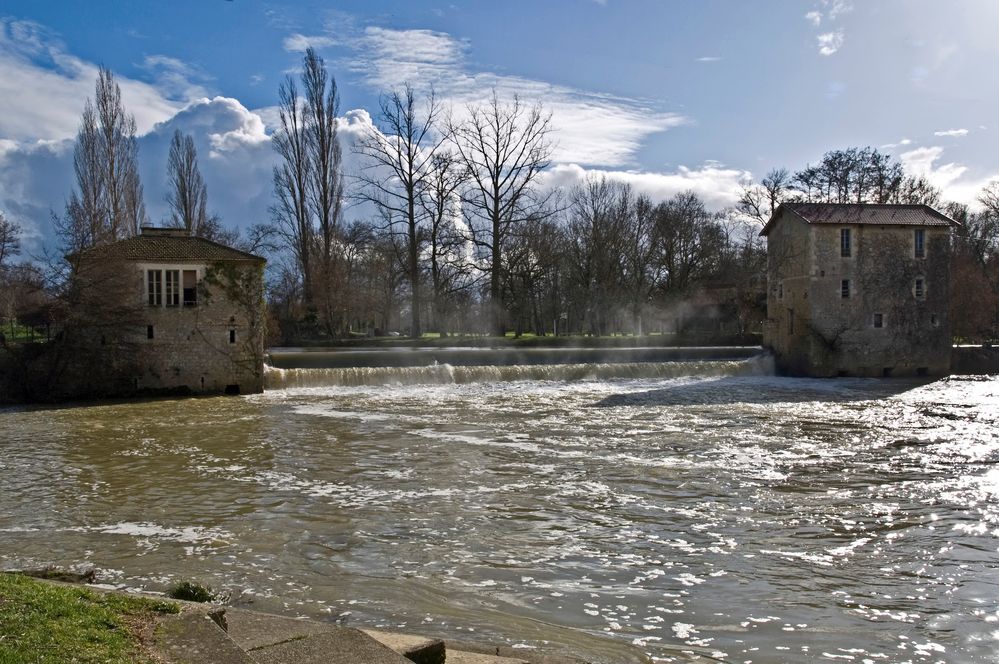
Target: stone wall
{"points": [[214, 347], [835, 335]]}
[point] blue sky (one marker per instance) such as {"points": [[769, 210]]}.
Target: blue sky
{"points": [[667, 95]]}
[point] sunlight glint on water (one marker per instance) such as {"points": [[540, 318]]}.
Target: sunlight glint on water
{"points": [[728, 516]]}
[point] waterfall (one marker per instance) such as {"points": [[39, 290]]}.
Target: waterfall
{"points": [[446, 374]]}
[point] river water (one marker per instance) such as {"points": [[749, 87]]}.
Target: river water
{"points": [[700, 511]]}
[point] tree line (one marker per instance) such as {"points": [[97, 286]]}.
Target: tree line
{"points": [[449, 225]]}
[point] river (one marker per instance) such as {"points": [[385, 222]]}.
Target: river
{"points": [[675, 511]]}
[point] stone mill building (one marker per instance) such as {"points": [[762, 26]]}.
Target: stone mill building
{"points": [[858, 289], [187, 313]]}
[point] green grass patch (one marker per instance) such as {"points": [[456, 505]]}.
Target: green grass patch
{"points": [[45, 623], [189, 591]]}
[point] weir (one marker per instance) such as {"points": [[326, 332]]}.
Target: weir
{"points": [[325, 358], [437, 373]]}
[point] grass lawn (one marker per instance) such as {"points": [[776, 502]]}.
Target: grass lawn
{"points": [[42, 622]]}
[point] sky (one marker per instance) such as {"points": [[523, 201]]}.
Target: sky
{"points": [[668, 95]]}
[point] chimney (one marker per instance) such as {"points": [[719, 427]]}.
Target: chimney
{"points": [[156, 231]]}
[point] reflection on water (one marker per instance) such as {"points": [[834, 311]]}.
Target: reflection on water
{"points": [[708, 517]]}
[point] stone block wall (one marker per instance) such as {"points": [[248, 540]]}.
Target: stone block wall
{"points": [[835, 335], [212, 348]]}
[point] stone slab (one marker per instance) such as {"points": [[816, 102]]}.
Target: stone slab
{"points": [[252, 630], [509, 652], [462, 657], [196, 638], [417, 649], [341, 645]]}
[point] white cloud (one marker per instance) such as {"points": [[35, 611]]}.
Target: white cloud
{"points": [[829, 12], [718, 186], [949, 177], [921, 162], [43, 88], [830, 42], [593, 128], [953, 133], [837, 8], [709, 58], [299, 43]]}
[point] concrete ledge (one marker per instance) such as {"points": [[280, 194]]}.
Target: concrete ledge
{"points": [[461, 657], [418, 649], [342, 645], [196, 638]]}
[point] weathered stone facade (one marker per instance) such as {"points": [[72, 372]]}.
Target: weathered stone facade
{"points": [[198, 323], [858, 290]]}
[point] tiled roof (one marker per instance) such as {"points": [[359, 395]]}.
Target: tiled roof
{"points": [[169, 248], [863, 213]]}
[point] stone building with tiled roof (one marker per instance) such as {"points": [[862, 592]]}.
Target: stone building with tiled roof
{"points": [[196, 315], [858, 289]]}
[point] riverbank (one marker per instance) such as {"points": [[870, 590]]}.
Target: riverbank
{"points": [[47, 620]]}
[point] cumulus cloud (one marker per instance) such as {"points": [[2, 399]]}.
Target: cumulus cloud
{"points": [[950, 177], [921, 162], [953, 133], [234, 152], [815, 18]]}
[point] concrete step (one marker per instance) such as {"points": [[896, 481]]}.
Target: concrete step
{"points": [[418, 649], [194, 637], [462, 657], [271, 639], [341, 645]]}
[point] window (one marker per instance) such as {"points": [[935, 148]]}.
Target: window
{"points": [[844, 243], [790, 321], [919, 242], [934, 321], [190, 288], [920, 288], [879, 320], [232, 336], [780, 291], [149, 332], [173, 288], [154, 288], [844, 288]]}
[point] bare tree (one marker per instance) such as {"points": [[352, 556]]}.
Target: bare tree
{"points": [[108, 205], [187, 195], [290, 212], [119, 152], [399, 155], [10, 240], [505, 148], [445, 245], [759, 201], [325, 181]]}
